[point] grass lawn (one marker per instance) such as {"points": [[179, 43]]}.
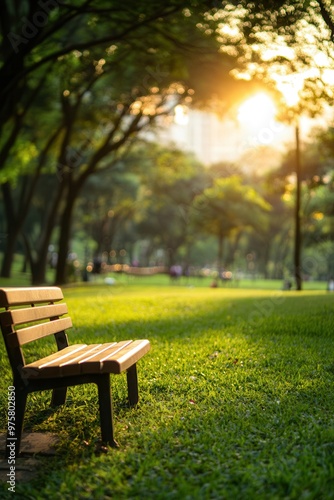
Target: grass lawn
{"points": [[236, 398]]}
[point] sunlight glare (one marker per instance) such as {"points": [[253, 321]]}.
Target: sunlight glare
{"points": [[180, 115], [290, 87], [258, 110]]}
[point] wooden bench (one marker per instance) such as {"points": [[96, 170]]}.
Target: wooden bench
{"points": [[33, 313]]}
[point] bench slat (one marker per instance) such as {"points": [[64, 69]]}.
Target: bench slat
{"points": [[61, 366], [95, 363], [38, 368], [72, 366], [29, 314], [126, 357], [19, 296], [35, 332], [101, 352]]}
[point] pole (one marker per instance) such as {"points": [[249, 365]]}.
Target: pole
{"points": [[297, 252]]}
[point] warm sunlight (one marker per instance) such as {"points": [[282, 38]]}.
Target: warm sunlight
{"points": [[257, 111], [180, 115], [290, 86]]}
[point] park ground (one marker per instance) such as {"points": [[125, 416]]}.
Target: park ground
{"points": [[236, 395]]}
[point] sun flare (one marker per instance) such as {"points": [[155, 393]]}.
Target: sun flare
{"points": [[258, 110], [180, 115]]}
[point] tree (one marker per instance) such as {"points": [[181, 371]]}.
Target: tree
{"points": [[226, 207], [280, 38], [171, 182], [143, 82], [289, 45], [273, 243], [107, 203], [142, 53], [26, 162], [30, 32]]}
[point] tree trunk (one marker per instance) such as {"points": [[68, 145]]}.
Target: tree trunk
{"points": [[64, 237], [220, 253], [12, 231], [15, 218], [9, 252], [298, 242], [171, 257], [38, 267]]}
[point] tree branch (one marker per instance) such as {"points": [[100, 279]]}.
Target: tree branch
{"points": [[327, 17]]}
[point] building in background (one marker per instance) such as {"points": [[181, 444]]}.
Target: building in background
{"points": [[214, 140]]}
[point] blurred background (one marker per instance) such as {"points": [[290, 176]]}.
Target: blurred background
{"points": [[184, 139]]}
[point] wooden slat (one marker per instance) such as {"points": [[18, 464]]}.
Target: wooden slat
{"points": [[95, 363], [83, 359], [27, 315], [35, 369], [99, 353], [35, 332], [69, 365], [126, 357], [11, 296]]}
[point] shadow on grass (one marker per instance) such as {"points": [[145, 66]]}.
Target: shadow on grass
{"points": [[257, 316], [241, 446]]}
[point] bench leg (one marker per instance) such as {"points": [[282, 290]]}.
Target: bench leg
{"points": [[105, 404], [58, 396], [14, 437], [132, 380]]}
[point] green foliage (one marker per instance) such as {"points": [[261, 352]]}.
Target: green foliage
{"points": [[79, 91], [229, 205], [235, 398], [171, 179], [279, 41], [20, 163], [82, 87]]}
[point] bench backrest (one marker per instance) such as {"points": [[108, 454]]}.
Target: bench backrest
{"points": [[31, 314]]}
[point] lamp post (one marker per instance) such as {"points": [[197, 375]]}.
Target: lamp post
{"points": [[298, 235], [290, 88]]}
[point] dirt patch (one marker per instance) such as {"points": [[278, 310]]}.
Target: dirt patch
{"points": [[33, 445]]}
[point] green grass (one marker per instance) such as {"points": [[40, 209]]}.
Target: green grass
{"points": [[202, 282], [236, 398]]}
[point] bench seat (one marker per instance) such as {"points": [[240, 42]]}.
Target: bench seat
{"points": [[113, 357]]}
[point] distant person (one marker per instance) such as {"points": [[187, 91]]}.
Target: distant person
{"points": [[175, 272]]}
